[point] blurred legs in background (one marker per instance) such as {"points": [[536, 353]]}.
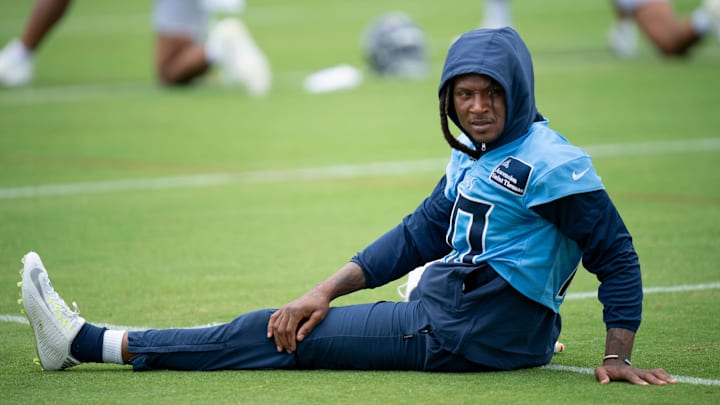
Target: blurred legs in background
{"points": [[17, 58], [179, 30], [185, 49], [187, 45], [670, 34]]}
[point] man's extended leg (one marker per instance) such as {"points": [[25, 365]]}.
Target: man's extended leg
{"points": [[240, 344], [382, 336], [379, 336]]}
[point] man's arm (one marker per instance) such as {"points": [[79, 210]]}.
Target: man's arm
{"points": [[310, 309], [591, 220]]}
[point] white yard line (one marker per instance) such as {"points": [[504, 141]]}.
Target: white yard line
{"points": [[5, 318], [651, 290], [328, 172], [587, 370]]}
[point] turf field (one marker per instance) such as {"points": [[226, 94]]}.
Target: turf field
{"points": [[155, 208]]}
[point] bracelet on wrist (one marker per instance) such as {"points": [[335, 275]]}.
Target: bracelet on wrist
{"points": [[617, 356]]}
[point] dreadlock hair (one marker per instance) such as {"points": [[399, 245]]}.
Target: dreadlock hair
{"points": [[449, 137]]}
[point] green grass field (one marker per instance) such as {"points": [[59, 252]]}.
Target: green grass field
{"points": [[156, 207]]}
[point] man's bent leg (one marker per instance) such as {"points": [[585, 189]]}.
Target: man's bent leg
{"points": [[379, 336]]}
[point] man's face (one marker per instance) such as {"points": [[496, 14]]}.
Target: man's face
{"points": [[480, 106]]}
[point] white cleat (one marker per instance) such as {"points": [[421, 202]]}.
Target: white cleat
{"points": [[241, 61], [54, 324], [16, 65]]}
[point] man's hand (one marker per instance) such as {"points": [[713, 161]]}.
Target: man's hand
{"points": [[638, 376], [617, 367], [291, 323], [308, 310]]}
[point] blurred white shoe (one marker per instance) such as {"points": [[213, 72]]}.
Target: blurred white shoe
{"points": [[241, 61], [16, 64], [713, 9], [622, 38]]}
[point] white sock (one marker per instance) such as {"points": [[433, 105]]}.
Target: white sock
{"points": [[16, 50], [24, 51], [701, 21], [213, 52], [112, 346]]}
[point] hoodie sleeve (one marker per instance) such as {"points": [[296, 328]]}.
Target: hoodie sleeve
{"points": [[418, 239], [592, 221]]}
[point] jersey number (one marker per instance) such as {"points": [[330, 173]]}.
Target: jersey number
{"points": [[468, 226]]}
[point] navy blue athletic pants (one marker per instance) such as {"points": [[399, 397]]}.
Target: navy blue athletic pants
{"points": [[512, 332], [379, 336]]}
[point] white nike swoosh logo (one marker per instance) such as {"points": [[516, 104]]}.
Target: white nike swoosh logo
{"points": [[578, 176]]}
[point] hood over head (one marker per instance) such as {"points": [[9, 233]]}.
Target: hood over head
{"points": [[502, 55]]}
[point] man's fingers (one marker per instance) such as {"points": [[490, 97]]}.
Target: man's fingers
{"points": [[309, 325], [293, 322], [633, 375], [636, 379], [271, 323], [659, 377], [661, 373], [289, 334], [284, 331], [278, 332], [654, 377], [602, 375]]}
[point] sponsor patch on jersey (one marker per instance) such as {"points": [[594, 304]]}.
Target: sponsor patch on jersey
{"points": [[512, 174]]}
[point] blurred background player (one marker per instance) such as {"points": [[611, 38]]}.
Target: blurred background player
{"points": [[186, 45], [183, 53], [670, 34]]}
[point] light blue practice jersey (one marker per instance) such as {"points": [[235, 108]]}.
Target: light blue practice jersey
{"points": [[492, 192]]}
